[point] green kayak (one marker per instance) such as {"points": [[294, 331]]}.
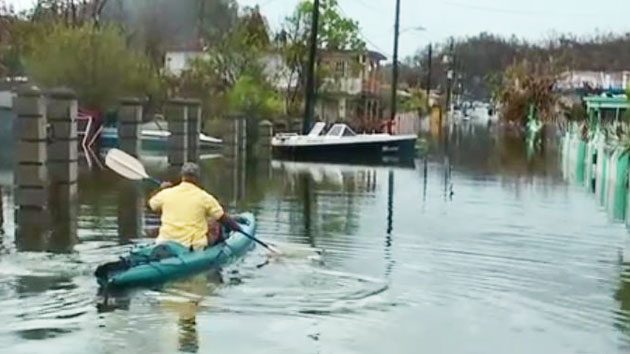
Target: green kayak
{"points": [[154, 264]]}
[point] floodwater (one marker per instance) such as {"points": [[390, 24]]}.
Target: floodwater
{"points": [[490, 251]]}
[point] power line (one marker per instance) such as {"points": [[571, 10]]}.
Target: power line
{"points": [[519, 12], [369, 7], [363, 36]]}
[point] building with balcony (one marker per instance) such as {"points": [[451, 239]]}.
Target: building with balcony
{"points": [[350, 89]]}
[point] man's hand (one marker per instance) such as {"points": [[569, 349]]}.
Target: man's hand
{"points": [[229, 222], [166, 184]]}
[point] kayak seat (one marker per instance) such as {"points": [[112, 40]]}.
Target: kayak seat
{"points": [[166, 250], [139, 256]]}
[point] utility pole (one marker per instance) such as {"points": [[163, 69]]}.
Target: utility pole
{"points": [[430, 68], [449, 78], [395, 68], [309, 107]]}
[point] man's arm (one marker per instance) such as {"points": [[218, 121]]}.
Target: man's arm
{"points": [[229, 222], [215, 211], [153, 201]]}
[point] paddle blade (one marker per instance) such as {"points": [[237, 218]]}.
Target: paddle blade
{"points": [[274, 250], [125, 165]]}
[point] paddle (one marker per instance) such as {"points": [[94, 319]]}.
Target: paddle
{"points": [[130, 168], [127, 166]]}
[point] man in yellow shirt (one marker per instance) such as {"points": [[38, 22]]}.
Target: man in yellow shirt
{"points": [[185, 209]]}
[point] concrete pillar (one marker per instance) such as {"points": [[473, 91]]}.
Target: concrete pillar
{"points": [[61, 111], [129, 121], [265, 133], [263, 147], [194, 128], [62, 150], [31, 171], [235, 150], [176, 113], [235, 140]]}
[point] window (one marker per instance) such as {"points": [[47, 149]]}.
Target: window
{"points": [[341, 69], [335, 130], [348, 132]]}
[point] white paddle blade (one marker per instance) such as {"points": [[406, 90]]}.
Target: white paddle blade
{"points": [[125, 165], [275, 250]]}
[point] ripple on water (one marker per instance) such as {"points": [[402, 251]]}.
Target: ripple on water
{"points": [[303, 289]]}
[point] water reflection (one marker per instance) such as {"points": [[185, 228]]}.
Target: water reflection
{"points": [[63, 206], [390, 224], [535, 269], [328, 195], [130, 211], [622, 296], [1, 211], [185, 300], [497, 151], [32, 228]]}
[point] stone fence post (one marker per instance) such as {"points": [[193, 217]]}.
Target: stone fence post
{"points": [[61, 110], [194, 128], [31, 171], [176, 113], [265, 133], [129, 121], [235, 140]]}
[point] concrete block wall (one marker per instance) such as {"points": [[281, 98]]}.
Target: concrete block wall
{"points": [[235, 141], [176, 112], [129, 123], [193, 129], [265, 133], [62, 111], [31, 170]]}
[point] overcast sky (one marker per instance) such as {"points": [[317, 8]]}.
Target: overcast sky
{"points": [[531, 19]]}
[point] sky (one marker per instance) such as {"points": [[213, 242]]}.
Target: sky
{"points": [[531, 19]]}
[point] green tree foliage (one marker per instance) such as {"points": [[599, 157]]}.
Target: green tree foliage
{"points": [[417, 102], [336, 33], [94, 61], [528, 83], [252, 96], [229, 68]]}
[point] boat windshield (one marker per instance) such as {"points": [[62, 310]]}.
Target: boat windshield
{"points": [[317, 129], [336, 130], [340, 130], [348, 132]]}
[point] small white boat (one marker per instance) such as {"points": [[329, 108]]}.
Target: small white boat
{"points": [[341, 143], [154, 135]]}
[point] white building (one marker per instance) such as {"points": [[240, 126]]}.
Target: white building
{"points": [[571, 80], [179, 59]]}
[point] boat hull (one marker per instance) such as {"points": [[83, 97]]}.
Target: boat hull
{"points": [[403, 149], [184, 263]]}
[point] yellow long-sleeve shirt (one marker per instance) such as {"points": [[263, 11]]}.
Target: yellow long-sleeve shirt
{"points": [[185, 209]]}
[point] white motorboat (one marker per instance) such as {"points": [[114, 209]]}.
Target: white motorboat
{"points": [[340, 142]]}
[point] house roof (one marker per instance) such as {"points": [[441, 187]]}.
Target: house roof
{"points": [[370, 53]]}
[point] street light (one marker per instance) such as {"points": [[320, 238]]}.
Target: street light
{"points": [[413, 28]]}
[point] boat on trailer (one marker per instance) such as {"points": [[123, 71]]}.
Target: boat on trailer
{"points": [[340, 142]]}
